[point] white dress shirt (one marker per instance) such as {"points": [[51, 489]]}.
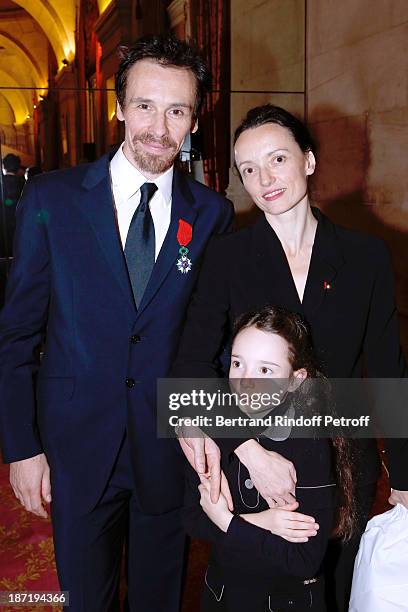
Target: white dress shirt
{"points": [[126, 182]]}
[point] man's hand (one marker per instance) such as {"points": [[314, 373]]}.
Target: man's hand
{"points": [[218, 512], [273, 475], [30, 480], [204, 456], [398, 497], [292, 526], [192, 441]]}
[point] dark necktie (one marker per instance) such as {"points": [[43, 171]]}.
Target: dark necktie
{"points": [[140, 243]]}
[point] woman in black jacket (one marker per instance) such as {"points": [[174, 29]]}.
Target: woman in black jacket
{"points": [[339, 280]]}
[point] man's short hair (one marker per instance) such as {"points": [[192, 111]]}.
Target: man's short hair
{"points": [[166, 50], [11, 162]]}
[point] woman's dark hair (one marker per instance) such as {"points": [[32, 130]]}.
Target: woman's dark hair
{"points": [[292, 328], [262, 115], [166, 50]]}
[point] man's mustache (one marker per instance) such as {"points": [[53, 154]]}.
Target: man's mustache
{"points": [[164, 141]]}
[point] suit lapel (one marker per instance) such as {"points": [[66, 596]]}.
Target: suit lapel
{"points": [[274, 283], [326, 261], [182, 207], [97, 205], [271, 269]]}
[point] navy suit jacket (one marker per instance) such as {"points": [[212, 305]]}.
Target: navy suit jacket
{"points": [[69, 284]]}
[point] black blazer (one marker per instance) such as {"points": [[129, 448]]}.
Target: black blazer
{"points": [[348, 303], [252, 563]]}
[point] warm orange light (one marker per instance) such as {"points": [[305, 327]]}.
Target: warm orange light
{"points": [[103, 4], [111, 97], [57, 20]]}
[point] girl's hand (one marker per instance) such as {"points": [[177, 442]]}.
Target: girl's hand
{"points": [[288, 524], [219, 512]]}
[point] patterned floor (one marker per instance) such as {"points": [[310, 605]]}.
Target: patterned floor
{"points": [[26, 549], [27, 554]]}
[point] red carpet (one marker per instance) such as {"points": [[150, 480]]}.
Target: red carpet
{"points": [[27, 558], [26, 549], [27, 554]]}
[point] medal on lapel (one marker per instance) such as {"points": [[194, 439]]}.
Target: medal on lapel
{"points": [[184, 235]]}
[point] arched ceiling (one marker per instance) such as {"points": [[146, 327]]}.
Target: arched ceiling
{"points": [[32, 67], [18, 99], [7, 116], [23, 59], [27, 28], [57, 20], [17, 65]]}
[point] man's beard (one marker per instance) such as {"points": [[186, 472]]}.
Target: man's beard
{"points": [[150, 162]]}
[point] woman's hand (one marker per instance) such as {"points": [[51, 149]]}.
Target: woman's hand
{"points": [[273, 475], [288, 524], [218, 513]]}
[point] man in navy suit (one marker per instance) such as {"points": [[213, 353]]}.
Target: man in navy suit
{"points": [[98, 272]]}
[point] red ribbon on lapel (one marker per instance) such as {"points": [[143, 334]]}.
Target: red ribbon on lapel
{"points": [[184, 233]]}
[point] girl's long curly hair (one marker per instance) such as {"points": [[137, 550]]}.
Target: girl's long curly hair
{"points": [[310, 398]]}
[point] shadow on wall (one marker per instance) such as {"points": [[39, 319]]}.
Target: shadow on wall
{"points": [[350, 187]]}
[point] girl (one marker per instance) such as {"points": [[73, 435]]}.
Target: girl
{"points": [[269, 559]]}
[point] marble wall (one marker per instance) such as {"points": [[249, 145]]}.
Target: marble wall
{"points": [[267, 64], [357, 106]]}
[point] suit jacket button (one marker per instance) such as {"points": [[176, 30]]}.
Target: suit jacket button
{"points": [[135, 339], [130, 382]]}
